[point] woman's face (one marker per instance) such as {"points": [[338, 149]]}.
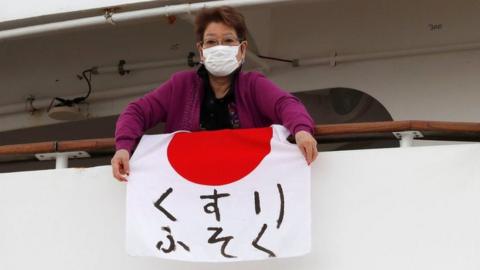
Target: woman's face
{"points": [[219, 33]]}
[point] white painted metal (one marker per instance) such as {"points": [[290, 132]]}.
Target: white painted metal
{"points": [[61, 162], [41, 104], [144, 65], [332, 60], [336, 59], [61, 158], [372, 216], [428, 87], [116, 18], [14, 108], [263, 65], [406, 137], [405, 86], [52, 27], [25, 9]]}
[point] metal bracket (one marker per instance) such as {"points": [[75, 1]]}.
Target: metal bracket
{"points": [[62, 157], [190, 60], [121, 68], [295, 63], [29, 105], [333, 59], [406, 137], [109, 12]]}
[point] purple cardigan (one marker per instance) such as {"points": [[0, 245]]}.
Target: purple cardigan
{"points": [[176, 102]]}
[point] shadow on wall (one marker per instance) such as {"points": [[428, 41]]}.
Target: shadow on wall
{"points": [[346, 105]]}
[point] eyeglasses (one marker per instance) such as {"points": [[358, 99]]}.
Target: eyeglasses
{"points": [[208, 43]]}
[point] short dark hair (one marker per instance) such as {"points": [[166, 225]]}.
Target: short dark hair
{"points": [[226, 15]]}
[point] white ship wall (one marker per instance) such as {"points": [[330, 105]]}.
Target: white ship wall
{"points": [[400, 208]]}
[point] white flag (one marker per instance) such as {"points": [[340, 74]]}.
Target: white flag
{"points": [[219, 196]]}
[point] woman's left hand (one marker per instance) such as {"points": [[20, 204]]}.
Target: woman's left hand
{"points": [[307, 144]]}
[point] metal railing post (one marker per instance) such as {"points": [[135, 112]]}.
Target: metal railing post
{"points": [[61, 158], [406, 137], [61, 161]]}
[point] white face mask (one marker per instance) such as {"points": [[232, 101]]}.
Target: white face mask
{"points": [[221, 60]]}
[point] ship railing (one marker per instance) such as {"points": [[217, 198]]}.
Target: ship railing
{"points": [[403, 131]]}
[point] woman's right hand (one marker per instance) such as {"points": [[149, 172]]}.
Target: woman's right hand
{"points": [[120, 165]]}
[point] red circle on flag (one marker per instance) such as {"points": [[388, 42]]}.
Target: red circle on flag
{"points": [[221, 157]]}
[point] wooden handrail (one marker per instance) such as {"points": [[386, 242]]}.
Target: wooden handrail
{"points": [[434, 130], [61, 146], [86, 145], [396, 126]]}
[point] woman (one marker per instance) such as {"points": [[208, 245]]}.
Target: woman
{"points": [[216, 96]]}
